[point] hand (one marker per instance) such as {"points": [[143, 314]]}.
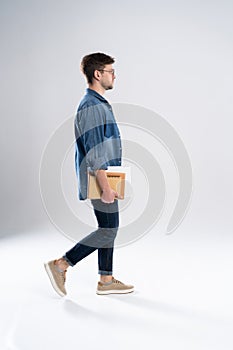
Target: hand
{"points": [[108, 196]]}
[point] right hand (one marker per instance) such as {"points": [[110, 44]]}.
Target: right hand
{"points": [[108, 196]]}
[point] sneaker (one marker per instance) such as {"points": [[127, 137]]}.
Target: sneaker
{"points": [[56, 277], [115, 287]]}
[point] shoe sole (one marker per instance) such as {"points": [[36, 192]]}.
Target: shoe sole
{"points": [[114, 291], [52, 280]]}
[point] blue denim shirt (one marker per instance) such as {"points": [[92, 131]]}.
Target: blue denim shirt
{"points": [[98, 142]]}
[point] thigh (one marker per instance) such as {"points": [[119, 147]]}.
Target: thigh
{"points": [[107, 214]]}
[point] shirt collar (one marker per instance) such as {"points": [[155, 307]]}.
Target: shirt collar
{"points": [[96, 94]]}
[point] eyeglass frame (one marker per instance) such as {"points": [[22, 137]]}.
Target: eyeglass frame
{"points": [[112, 71]]}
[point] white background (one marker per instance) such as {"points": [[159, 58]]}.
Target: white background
{"points": [[174, 57]]}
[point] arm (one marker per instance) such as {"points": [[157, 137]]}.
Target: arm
{"points": [[92, 124]]}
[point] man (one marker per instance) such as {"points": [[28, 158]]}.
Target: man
{"points": [[98, 145]]}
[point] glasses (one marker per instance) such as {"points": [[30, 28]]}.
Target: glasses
{"points": [[112, 71]]}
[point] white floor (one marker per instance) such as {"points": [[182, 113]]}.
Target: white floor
{"points": [[183, 297]]}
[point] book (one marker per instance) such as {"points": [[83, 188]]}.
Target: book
{"points": [[116, 181]]}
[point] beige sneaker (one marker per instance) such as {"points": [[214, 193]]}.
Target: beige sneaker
{"points": [[116, 287], [56, 277]]}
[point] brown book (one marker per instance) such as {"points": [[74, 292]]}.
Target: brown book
{"points": [[116, 181]]}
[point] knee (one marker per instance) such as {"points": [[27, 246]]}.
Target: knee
{"points": [[109, 233]]}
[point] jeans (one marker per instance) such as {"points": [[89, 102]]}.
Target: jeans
{"points": [[107, 215]]}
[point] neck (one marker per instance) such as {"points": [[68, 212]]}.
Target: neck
{"points": [[97, 88]]}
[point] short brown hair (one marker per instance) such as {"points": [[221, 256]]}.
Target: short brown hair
{"points": [[94, 61]]}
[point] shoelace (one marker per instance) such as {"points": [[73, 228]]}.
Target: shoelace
{"points": [[116, 281], [63, 275]]}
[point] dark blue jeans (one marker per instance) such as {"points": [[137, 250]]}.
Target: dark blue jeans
{"points": [[107, 216]]}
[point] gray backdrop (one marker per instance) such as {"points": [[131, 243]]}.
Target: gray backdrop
{"points": [[174, 57]]}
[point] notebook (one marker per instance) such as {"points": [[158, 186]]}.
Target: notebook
{"points": [[116, 181]]}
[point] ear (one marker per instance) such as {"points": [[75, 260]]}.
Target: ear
{"points": [[97, 75]]}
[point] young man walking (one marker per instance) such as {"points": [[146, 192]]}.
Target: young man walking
{"points": [[98, 145]]}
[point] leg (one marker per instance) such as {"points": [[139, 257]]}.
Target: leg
{"points": [[110, 221], [107, 216], [102, 239]]}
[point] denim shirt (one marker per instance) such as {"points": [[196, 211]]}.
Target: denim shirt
{"points": [[98, 141]]}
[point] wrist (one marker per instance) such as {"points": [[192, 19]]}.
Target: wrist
{"points": [[106, 189]]}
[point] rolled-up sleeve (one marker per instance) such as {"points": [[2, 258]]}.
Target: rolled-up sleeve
{"points": [[92, 125]]}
